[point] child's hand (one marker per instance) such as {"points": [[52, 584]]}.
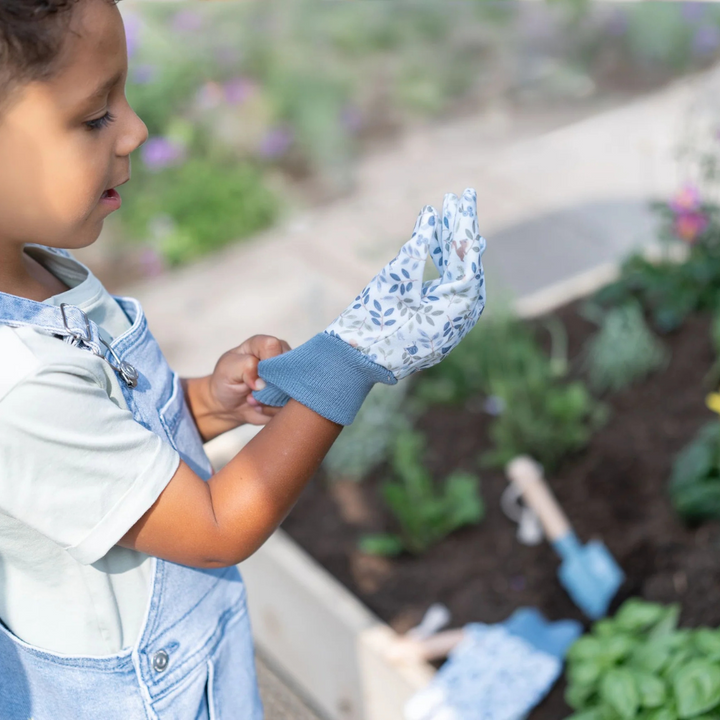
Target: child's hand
{"points": [[222, 401]]}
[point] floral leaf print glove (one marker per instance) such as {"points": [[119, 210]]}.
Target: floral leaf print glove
{"points": [[397, 325]]}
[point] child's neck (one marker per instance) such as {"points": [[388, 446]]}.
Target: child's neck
{"points": [[22, 276]]}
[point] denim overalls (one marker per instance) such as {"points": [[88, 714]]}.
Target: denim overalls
{"points": [[194, 657]]}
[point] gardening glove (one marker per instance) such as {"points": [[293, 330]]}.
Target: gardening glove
{"points": [[397, 325], [497, 672]]}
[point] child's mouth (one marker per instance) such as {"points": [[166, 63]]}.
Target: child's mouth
{"points": [[112, 198]]}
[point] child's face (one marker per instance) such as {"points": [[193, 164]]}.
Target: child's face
{"points": [[55, 166]]}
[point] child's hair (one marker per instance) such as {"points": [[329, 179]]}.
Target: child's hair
{"points": [[32, 33]]}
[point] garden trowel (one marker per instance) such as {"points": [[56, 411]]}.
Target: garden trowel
{"points": [[588, 572]]}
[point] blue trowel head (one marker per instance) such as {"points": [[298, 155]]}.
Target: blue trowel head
{"points": [[589, 573]]}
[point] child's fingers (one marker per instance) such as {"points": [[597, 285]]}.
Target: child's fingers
{"points": [[236, 373], [406, 269], [447, 224], [238, 366], [462, 250], [265, 346], [250, 373]]}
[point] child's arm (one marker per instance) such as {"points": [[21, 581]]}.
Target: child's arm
{"points": [[225, 520], [388, 332]]}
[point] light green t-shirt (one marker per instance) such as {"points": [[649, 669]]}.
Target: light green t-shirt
{"points": [[76, 473]]}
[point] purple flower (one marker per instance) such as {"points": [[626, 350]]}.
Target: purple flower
{"points": [[133, 26], [276, 142], [144, 73], [187, 21], [238, 90], [686, 201], [706, 40], [160, 152]]}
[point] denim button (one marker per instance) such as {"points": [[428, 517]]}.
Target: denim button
{"points": [[160, 660]]}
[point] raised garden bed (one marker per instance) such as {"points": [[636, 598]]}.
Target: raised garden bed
{"points": [[612, 393], [615, 489]]}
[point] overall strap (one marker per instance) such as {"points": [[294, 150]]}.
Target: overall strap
{"points": [[67, 322]]}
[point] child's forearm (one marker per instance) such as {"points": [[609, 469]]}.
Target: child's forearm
{"points": [[208, 422], [225, 520], [268, 475]]}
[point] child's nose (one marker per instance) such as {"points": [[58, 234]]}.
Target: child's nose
{"points": [[135, 135]]}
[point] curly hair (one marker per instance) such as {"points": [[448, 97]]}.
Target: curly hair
{"points": [[32, 33]]}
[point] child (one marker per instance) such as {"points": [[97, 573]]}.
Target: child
{"points": [[119, 592]]}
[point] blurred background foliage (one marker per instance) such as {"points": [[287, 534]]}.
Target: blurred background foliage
{"points": [[256, 108]]}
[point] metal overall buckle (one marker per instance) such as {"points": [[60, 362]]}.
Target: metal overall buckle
{"points": [[128, 373]]}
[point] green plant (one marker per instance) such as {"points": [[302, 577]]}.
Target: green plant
{"points": [[695, 478], [365, 444], [199, 206], [497, 347], [638, 664], [669, 290], [542, 418], [624, 349], [713, 376], [541, 414], [426, 513]]}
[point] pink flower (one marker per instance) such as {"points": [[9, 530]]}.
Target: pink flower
{"points": [[687, 200], [689, 225]]}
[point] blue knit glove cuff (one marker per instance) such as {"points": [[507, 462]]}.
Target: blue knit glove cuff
{"points": [[325, 374]]}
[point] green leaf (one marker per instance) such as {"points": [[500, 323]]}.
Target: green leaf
{"points": [[661, 714], [577, 696], [636, 615], [651, 688], [652, 656], [697, 688], [695, 480], [585, 673], [604, 627], [668, 623], [586, 648], [618, 647], [381, 544], [707, 641], [619, 691], [678, 660]]}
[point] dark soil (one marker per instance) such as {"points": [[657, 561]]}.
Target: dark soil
{"points": [[614, 490]]}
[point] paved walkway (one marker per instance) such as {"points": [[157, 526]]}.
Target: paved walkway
{"points": [[551, 204]]}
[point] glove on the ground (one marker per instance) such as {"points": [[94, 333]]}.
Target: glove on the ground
{"points": [[497, 672], [397, 325]]}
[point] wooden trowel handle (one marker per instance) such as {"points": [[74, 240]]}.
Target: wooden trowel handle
{"points": [[527, 475]]}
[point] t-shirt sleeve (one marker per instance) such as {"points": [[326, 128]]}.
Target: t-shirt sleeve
{"points": [[75, 466]]}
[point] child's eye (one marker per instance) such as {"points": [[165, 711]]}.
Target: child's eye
{"points": [[100, 122]]}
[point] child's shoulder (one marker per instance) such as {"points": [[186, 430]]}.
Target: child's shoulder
{"points": [[25, 352]]}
